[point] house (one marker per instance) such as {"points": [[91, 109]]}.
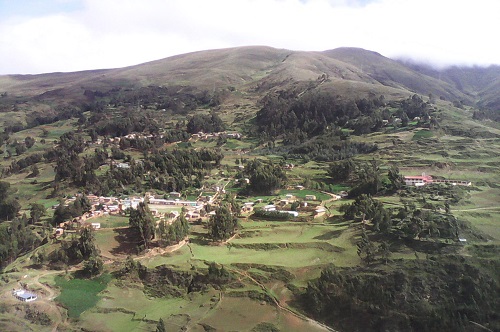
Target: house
{"points": [[24, 295], [299, 187], [123, 165], [310, 197], [269, 208], [319, 211], [192, 216], [289, 197], [175, 194], [96, 225], [418, 181], [247, 207]]}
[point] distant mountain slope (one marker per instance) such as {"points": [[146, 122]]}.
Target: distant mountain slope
{"points": [[482, 84], [258, 69], [392, 73]]}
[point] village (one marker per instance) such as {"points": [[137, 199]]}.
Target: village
{"points": [[167, 208]]}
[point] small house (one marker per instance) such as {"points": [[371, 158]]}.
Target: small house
{"points": [[320, 210], [23, 295], [310, 197], [96, 225], [270, 207]]}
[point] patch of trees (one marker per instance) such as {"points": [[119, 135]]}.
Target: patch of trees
{"points": [[123, 123], [165, 281], [143, 224], [64, 212], [177, 99], [223, 224], [414, 223], [486, 115], [174, 233], [37, 317], [364, 177], [77, 249], [207, 123], [23, 163], [179, 169], [162, 169], [314, 112], [420, 295], [16, 239], [265, 177], [9, 206], [300, 118], [406, 222], [38, 118], [366, 208], [330, 147], [272, 215]]}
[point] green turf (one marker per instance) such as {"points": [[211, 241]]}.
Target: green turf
{"points": [[78, 295]]}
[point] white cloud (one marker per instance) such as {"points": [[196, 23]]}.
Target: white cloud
{"points": [[115, 33]]}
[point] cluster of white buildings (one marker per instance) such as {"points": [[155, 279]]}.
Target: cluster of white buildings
{"points": [[422, 180], [206, 136]]}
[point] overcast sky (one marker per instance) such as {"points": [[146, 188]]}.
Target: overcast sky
{"points": [[69, 35]]}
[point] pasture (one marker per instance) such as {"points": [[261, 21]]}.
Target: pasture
{"points": [[78, 295]]}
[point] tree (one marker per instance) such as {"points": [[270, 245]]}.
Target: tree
{"points": [[37, 211], [35, 171], [160, 327], [93, 266], [174, 233], [233, 204], [223, 224], [366, 249], [4, 188], [82, 205], [264, 177], [9, 209], [142, 221], [341, 170], [384, 250], [29, 142], [39, 257], [395, 177], [86, 243]]}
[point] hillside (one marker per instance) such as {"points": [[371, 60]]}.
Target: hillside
{"points": [[257, 69], [251, 189]]}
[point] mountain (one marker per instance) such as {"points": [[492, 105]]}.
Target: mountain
{"points": [[349, 72]]}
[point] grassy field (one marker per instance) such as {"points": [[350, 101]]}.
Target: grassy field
{"points": [[320, 196], [79, 295]]}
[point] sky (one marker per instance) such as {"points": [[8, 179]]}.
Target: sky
{"points": [[41, 36]]}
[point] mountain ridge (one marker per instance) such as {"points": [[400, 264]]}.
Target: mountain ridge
{"points": [[249, 67]]}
